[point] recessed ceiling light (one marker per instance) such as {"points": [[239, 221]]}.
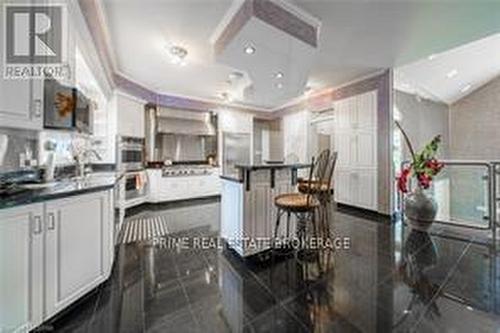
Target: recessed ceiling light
{"points": [[279, 85], [431, 57], [178, 55], [452, 73], [466, 88], [278, 75], [249, 49], [235, 76]]}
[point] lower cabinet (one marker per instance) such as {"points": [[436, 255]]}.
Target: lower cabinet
{"points": [[182, 187], [21, 264], [356, 187], [77, 256], [51, 255]]}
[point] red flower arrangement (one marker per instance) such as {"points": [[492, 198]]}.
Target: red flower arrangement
{"points": [[424, 164]]}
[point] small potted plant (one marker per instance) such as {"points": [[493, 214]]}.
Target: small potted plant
{"points": [[420, 208]]}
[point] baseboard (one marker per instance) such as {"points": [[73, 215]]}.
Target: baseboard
{"points": [[364, 213]]}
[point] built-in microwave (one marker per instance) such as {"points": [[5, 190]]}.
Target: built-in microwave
{"points": [[66, 107]]}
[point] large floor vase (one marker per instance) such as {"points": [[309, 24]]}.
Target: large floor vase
{"points": [[420, 209]]}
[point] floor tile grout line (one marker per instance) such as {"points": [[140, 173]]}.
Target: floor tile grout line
{"points": [[94, 310], [442, 286], [186, 296]]}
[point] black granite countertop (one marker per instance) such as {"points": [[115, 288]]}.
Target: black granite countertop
{"points": [[273, 166], [59, 189]]}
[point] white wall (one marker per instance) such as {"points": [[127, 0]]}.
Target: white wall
{"points": [[422, 120]]}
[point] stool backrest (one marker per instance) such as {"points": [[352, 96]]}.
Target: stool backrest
{"points": [[331, 168], [319, 172]]}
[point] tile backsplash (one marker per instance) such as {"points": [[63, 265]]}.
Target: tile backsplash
{"points": [[16, 147], [63, 145]]}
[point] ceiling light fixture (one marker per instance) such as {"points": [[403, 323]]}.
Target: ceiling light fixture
{"points": [[466, 88], [249, 49], [235, 76], [278, 75], [452, 73], [178, 55], [431, 57], [226, 97], [279, 85]]}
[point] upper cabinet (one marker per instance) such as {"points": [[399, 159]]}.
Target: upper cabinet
{"points": [[130, 115], [235, 121], [296, 137], [21, 103], [20, 99], [356, 144]]}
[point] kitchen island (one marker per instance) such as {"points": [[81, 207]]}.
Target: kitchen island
{"points": [[248, 214]]}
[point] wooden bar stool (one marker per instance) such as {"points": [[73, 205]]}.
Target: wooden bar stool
{"points": [[302, 205], [321, 188]]}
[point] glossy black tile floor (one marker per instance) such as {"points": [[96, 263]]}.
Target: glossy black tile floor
{"points": [[390, 279]]}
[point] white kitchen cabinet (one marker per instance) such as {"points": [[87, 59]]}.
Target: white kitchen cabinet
{"points": [[297, 137], [356, 144], [342, 185], [78, 238], [21, 260], [130, 116], [20, 100], [21, 103], [174, 188], [52, 254]]}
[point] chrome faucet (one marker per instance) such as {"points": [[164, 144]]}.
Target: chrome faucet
{"points": [[82, 156]]}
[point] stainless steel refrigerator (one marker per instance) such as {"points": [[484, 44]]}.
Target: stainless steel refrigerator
{"points": [[235, 150]]}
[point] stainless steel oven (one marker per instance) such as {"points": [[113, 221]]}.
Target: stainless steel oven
{"points": [[131, 154]]}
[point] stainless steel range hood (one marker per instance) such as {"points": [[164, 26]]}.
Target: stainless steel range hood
{"points": [[180, 135], [185, 122], [185, 126]]}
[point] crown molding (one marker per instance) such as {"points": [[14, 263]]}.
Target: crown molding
{"points": [[95, 17]]}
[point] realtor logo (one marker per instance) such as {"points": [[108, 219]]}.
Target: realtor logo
{"points": [[33, 41]]}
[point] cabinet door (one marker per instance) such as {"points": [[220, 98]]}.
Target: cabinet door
{"points": [[365, 186], [366, 149], [130, 116], [345, 113], [343, 146], [21, 260], [342, 186], [77, 248], [18, 107], [367, 110]]}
